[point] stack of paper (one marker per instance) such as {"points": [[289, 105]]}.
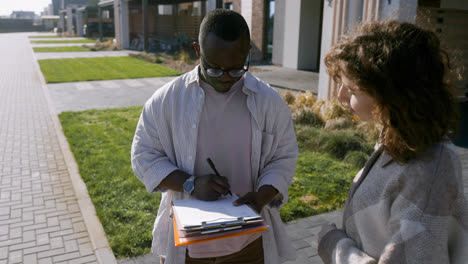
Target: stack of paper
{"points": [[197, 221]]}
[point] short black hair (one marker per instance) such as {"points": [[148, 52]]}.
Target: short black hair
{"points": [[225, 24]]}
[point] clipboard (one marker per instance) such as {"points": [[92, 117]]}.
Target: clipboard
{"points": [[194, 214], [183, 241], [198, 221]]}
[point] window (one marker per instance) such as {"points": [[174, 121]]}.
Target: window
{"points": [[228, 6], [105, 14], [194, 8], [165, 9]]}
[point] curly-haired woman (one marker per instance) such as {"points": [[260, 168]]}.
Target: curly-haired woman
{"points": [[407, 204]]}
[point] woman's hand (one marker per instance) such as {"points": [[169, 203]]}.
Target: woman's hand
{"points": [[325, 229]]}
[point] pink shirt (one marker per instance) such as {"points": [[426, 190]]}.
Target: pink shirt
{"points": [[224, 135]]}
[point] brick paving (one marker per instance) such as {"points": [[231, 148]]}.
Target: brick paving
{"points": [[40, 212]]}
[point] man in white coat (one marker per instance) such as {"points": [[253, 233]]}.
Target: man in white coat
{"points": [[220, 111]]}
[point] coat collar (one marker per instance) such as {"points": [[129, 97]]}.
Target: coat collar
{"points": [[385, 157]]}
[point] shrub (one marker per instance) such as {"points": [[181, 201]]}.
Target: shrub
{"points": [[106, 45], [331, 110], [356, 158], [338, 123], [149, 57], [370, 130], [339, 143], [308, 117], [185, 56], [288, 97], [306, 100]]}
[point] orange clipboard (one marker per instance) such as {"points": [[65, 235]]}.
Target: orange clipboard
{"points": [[182, 241]]}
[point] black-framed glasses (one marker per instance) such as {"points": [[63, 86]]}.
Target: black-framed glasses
{"points": [[234, 73]]}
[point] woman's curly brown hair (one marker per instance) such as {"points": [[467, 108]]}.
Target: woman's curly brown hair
{"points": [[405, 70]]}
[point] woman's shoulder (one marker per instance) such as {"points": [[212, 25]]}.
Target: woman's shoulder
{"points": [[435, 175], [439, 157]]}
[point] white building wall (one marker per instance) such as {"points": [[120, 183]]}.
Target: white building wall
{"points": [[341, 15], [327, 35], [278, 33], [246, 12], [292, 17]]}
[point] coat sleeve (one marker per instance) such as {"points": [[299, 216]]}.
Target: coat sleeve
{"points": [[149, 160], [279, 154], [427, 224]]}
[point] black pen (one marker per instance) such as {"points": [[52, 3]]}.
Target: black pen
{"points": [[210, 162]]}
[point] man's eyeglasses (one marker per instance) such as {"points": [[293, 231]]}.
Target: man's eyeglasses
{"points": [[234, 73]]}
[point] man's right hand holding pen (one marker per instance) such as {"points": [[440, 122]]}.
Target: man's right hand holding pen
{"points": [[210, 187], [207, 187]]}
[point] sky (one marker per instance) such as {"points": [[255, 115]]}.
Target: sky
{"points": [[7, 6]]}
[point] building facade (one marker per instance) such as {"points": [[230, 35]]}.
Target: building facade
{"points": [[448, 18], [289, 33], [70, 20]]}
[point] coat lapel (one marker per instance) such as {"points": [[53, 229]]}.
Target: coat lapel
{"points": [[358, 180]]}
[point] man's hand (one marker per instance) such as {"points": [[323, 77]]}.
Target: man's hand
{"points": [[257, 200], [210, 187]]}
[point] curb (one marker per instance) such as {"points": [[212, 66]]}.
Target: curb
{"points": [[94, 227]]}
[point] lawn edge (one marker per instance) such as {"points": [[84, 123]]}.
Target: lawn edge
{"points": [[94, 227]]}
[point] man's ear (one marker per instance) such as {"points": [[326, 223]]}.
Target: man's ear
{"points": [[197, 48]]}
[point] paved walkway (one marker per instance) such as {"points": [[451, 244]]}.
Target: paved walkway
{"points": [[82, 54], [45, 45], [44, 37], [42, 198], [79, 96]]}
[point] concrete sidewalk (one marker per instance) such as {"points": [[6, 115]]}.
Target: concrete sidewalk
{"points": [[79, 96], [46, 45], [46, 215], [83, 54]]}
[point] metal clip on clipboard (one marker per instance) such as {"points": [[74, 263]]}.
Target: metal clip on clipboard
{"points": [[205, 225], [239, 221], [208, 228]]}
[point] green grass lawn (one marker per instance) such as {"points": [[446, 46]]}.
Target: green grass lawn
{"points": [[101, 139], [320, 185], [105, 68], [43, 37], [63, 41], [61, 49]]}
